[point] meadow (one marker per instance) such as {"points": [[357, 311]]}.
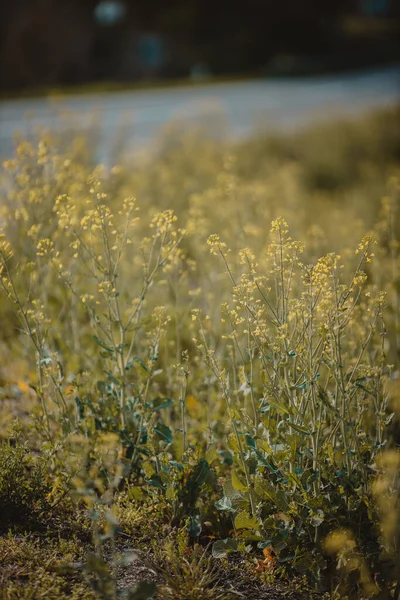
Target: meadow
{"points": [[199, 367]]}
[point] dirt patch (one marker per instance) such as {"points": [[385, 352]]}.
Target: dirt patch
{"points": [[235, 581]]}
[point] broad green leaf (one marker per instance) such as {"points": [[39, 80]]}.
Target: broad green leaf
{"points": [[227, 456], [136, 493], [264, 446], [233, 443], [163, 433], [148, 469], [211, 455], [199, 475], [224, 504], [237, 484], [156, 482], [192, 488], [222, 547], [244, 521]]}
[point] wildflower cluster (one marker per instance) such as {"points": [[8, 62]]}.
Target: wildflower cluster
{"points": [[233, 387]]}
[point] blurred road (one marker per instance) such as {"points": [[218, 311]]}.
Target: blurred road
{"points": [[134, 118]]}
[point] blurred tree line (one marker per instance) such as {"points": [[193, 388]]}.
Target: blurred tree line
{"points": [[52, 42]]}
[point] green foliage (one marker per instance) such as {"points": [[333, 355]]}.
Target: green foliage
{"points": [[165, 394], [34, 568], [188, 572], [308, 432], [24, 487]]}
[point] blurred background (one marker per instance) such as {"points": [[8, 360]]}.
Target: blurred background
{"points": [[73, 42], [127, 69]]}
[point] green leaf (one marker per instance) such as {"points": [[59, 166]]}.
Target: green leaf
{"points": [[211, 454], [222, 547], [250, 441], [159, 403], [249, 537], [281, 500], [195, 480], [102, 344], [298, 428], [163, 433], [224, 504], [113, 378], [261, 460], [264, 544], [317, 518], [140, 362], [107, 354], [278, 545], [237, 484], [156, 482], [199, 474], [302, 386], [227, 456], [277, 405], [136, 493], [294, 478], [244, 521], [194, 527]]}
